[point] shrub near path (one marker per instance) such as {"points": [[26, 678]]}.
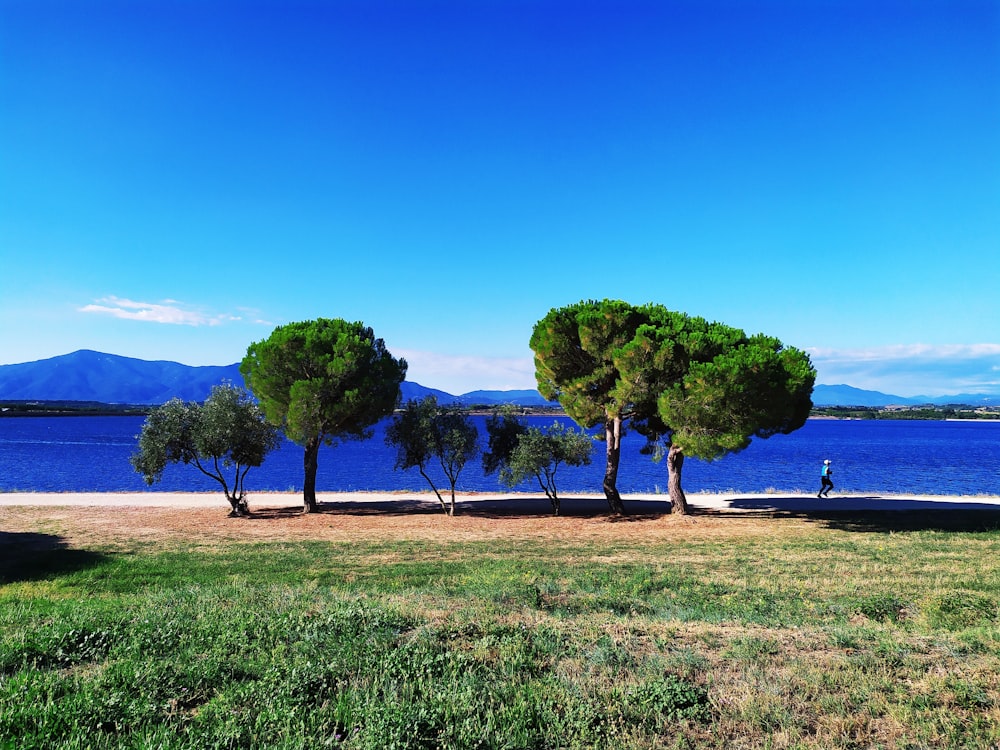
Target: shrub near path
{"points": [[171, 628]]}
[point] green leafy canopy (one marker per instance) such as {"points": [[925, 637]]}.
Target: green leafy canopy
{"points": [[700, 387], [323, 378], [227, 432]]}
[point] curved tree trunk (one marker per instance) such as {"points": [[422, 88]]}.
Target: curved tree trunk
{"points": [[549, 487], [310, 464], [613, 438], [675, 463], [431, 483]]}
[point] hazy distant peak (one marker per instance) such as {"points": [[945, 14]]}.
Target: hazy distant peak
{"points": [[87, 375]]}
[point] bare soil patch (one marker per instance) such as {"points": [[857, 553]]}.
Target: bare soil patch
{"points": [[169, 520], [346, 521]]}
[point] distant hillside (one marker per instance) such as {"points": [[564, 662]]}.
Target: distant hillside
{"points": [[111, 379], [92, 376], [415, 392], [491, 398], [846, 395]]}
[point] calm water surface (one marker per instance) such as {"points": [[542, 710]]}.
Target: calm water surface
{"points": [[90, 454]]}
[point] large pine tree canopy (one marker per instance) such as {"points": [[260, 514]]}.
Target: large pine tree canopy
{"points": [[705, 388]]}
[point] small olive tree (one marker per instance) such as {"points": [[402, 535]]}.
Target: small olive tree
{"points": [[423, 431], [227, 432], [538, 453]]}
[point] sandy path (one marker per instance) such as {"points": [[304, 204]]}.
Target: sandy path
{"points": [[509, 502], [123, 520]]}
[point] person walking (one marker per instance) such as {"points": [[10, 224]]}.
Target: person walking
{"points": [[824, 476]]}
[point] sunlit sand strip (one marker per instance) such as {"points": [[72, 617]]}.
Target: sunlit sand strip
{"points": [[649, 503]]}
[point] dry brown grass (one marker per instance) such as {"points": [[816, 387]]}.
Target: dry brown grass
{"points": [[98, 526]]}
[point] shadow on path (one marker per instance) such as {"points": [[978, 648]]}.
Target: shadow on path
{"points": [[872, 514], [401, 507], [855, 513], [514, 507], [29, 556]]}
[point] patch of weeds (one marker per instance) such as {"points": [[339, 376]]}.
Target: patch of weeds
{"points": [[969, 695], [877, 665], [851, 638], [514, 652], [59, 647], [845, 638], [882, 607], [722, 602], [669, 698], [545, 713], [923, 702], [768, 710], [892, 653], [304, 683], [752, 649], [607, 653], [958, 610], [765, 606], [558, 601], [688, 662], [981, 640], [624, 604]]}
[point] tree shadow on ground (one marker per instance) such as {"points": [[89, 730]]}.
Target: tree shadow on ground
{"points": [[513, 507], [569, 507], [870, 514], [30, 556], [401, 507], [857, 513]]}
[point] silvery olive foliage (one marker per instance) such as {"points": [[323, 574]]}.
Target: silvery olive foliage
{"points": [[224, 438]]}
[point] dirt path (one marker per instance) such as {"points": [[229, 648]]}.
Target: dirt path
{"points": [[507, 503], [132, 520]]}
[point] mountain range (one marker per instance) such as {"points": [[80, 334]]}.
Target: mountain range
{"points": [[87, 375], [112, 379]]}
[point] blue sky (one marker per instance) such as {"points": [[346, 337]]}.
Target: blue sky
{"points": [[178, 178]]}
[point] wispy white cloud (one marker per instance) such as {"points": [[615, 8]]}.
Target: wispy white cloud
{"points": [[913, 369], [169, 311], [458, 374], [912, 352], [252, 315], [901, 370]]}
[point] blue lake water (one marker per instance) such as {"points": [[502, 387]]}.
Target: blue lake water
{"points": [[91, 454]]}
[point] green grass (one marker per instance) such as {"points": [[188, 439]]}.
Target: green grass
{"points": [[783, 633]]}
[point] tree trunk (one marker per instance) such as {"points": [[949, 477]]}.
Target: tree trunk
{"points": [[549, 488], [613, 438], [431, 483], [238, 505], [675, 463], [310, 464]]}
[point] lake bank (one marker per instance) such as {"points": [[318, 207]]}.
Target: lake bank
{"points": [[509, 503]]}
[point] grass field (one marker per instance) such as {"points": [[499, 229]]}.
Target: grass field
{"points": [[717, 631]]}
